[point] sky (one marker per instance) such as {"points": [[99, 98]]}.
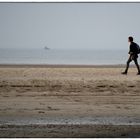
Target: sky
{"points": [[69, 25]]}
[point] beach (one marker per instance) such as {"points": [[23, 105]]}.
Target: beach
{"points": [[61, 94]]}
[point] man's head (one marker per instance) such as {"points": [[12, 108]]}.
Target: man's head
{"points": [[130, 39]]}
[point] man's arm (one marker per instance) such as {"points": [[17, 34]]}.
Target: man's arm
{"points": [[130, 49]]}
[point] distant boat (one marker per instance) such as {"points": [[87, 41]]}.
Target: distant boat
{"points": [[46, 48]]}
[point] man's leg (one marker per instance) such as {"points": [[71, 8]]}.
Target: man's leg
{"points": [[137, 65], [127, 65]]}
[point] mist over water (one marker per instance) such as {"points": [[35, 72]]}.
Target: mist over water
{"points": [[77, 33], [69, 25], [62, 56]]}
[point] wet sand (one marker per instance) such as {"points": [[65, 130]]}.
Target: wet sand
{"points": [[70, 127], [91, 92]]}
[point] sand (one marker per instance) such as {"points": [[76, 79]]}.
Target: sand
{"points": [[69, 92]]}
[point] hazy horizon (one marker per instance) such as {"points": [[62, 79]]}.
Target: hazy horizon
{"points": [[69, 25]]}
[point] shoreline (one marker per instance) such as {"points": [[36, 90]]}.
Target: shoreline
{"points": [[62, 66]]}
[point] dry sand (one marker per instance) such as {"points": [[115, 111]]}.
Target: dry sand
{"points": [[68, 92]]}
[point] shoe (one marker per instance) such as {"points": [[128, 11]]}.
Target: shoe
{"points": [[124, 73], [138, 73]]}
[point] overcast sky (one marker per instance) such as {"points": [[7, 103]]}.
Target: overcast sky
{"points": [[69, 25]]}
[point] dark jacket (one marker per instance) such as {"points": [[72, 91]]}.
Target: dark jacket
{"points": [[133, 50]]}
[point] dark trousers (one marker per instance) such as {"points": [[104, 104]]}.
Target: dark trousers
{"points": [[129, 60]]}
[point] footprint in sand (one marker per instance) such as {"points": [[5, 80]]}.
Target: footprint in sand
{"points": [[41, 112], [41, 103], [50, 108]]}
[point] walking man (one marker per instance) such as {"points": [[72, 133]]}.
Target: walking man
{"points": [[133, 55]]}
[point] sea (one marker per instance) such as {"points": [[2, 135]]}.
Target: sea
{"points": [[62, 56]]}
